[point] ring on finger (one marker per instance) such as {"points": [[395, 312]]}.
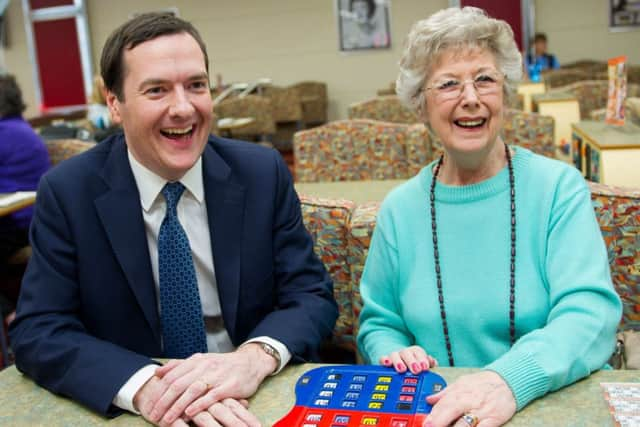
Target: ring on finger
{"points": [[207, 386], [470, 419]]}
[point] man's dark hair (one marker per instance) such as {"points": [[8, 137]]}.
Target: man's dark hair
{"points": [[11, 103], [540, 37], [140, 29], [371, 5]]}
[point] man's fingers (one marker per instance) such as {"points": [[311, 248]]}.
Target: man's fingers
{"points": [[241, 411], [193, 392], [225, 416], [205, 419], [202, 403], [162, 370], [171, 394]]}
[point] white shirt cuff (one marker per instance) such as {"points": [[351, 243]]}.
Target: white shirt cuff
{"points": [[124, 398], [283, 351]]}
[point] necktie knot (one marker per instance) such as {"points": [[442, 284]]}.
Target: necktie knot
{"points": [[172, 191]]}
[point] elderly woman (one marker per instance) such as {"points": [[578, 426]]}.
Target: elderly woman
{"points": [[491, 256]]}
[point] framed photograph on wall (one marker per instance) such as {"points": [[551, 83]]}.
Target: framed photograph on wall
{"points": [[624, 15], [363, 24]]}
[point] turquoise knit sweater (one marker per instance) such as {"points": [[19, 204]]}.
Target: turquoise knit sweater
{"points": [[566, 308]]}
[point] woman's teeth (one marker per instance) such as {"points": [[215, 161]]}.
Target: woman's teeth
{"points": [[470, 123]]}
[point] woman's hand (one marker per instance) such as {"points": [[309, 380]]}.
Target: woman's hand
{"points": [[413, 358], [483, 395]]}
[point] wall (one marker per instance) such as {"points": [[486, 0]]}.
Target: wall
{"points": [[578, 29], [16, 55], [248, 39], [292, 41]]}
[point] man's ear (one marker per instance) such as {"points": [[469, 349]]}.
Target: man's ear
{"points": [[114, 107]]}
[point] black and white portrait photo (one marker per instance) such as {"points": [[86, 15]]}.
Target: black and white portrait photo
{"points": [[363, 24]]}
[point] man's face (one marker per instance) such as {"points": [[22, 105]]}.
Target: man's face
{"points": [[166, 110]]}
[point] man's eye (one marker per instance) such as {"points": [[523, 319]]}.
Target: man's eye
{"points": [[154, 90], [449, 84], [199, 85]]}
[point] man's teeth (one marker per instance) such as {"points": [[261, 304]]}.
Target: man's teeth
{"points": [[177, 131], [470, 123]]}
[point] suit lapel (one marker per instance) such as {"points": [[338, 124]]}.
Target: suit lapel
{"points": [[120, 211], [225, 209]]}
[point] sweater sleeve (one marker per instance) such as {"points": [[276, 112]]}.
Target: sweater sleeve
{"points": [[382, 328], [579, 335]]}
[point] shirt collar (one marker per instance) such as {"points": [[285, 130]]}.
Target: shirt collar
{"points": [[150, 184]]}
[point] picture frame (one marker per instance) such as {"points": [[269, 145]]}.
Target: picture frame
{"points": [[363, 24], [624, 15]]}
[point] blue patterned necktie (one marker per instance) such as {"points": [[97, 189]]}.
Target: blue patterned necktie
{"points": [[180, 309]]}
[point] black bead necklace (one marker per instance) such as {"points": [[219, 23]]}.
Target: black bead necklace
{"points": [[512, 263]]}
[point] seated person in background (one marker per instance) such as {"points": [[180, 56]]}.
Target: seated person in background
{"points": [[540, 60], [98, 112], [166, 242], [23, 160], [491, 256]]}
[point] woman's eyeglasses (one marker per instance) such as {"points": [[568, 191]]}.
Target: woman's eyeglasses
{"points": [[486, 83]]}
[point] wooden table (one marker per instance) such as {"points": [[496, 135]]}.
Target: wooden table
{"points": [[357, 191], [606, 153], [22, 200], [25, 404], [527, 90]]}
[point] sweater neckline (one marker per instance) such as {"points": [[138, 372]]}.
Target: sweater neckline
{"points": [[478, 191]]}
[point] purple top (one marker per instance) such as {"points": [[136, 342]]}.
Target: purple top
{"points": [[23, 160]]}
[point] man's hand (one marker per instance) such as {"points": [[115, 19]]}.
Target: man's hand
{"points": [[189, 387], [146, 397], [227, 413]]}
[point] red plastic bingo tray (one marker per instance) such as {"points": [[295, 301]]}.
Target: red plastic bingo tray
{"points": [[355, 396]]}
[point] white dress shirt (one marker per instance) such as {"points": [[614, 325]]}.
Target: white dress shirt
{"points": [[192, 214]]}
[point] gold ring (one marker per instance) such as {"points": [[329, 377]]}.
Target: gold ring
{"points": [[207, 385], [470, 419]]}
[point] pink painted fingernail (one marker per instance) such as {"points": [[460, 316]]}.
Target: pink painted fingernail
{"points": [[386, 361], [425, 365], [415, 367], [400, 367]]}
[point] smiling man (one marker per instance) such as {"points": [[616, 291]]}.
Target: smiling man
{"points": [[166, 242]]}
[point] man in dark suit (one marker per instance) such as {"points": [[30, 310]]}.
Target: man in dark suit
{"points": [[168, 242]]}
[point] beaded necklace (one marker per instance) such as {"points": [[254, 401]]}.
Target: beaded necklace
{"points": [[512, 264]]}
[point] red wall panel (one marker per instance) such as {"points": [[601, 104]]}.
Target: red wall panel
{"points": [[510, 11], [40, 4], [59, 63]]}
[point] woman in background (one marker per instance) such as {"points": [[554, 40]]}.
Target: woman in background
{"points": [[491, 256], [23, 160]]}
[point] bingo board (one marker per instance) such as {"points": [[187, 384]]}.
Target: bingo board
{"points": [[355, 396]]}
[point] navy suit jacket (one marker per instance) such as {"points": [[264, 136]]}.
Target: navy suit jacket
{"points": [[87, 316]]}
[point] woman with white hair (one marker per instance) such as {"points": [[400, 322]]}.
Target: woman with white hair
{"points": [[491, 256]]}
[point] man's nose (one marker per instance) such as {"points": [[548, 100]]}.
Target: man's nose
{"points": [[181, 104]]}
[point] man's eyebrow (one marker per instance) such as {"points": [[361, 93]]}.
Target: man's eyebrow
{"points": [[156, 81]]}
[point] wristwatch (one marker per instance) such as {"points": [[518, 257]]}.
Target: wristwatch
{"points": [[271, 351]]}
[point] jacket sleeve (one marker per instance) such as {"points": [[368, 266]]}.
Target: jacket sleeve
{"points": [[51, 344], [306, 311], [579, 335]]}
